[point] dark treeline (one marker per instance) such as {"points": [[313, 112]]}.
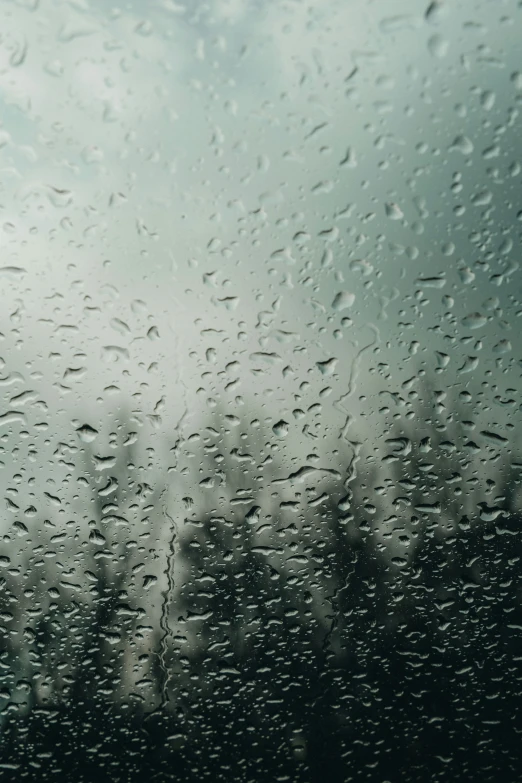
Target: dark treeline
{"points": [[348, 620]]}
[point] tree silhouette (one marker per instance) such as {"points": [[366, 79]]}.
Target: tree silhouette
{"points": [[276, 622]]}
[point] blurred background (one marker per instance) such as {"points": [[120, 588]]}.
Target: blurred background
{"points": [[259, 373]]}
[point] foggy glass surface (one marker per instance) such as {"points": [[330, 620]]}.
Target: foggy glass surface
{"points": [[260, 422]]}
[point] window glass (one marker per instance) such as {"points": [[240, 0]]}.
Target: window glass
{"points": [[260, 418]]}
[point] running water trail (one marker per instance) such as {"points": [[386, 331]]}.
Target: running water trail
{"points": [[165, 607], [351, 470], [352, 385], [168, 592]]}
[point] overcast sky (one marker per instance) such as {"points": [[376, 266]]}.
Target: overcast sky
{"points": [[206, 201]]}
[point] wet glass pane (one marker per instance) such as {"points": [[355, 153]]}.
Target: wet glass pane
{"points": [[260, 380]]}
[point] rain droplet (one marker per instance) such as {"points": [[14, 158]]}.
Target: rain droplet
{"points": [[432, 282], [462, 144], [12, 272], [504, 346], [438, 46], [393, 211], [343, 300], [280, 428], [327, 367], [87, 433], [466, 275], [474, 321]]}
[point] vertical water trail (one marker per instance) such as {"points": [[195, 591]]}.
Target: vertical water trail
{"points": [[351, 470], [168, 592]]}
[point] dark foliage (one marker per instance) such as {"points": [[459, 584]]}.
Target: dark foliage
{"points": [[359, 632]]}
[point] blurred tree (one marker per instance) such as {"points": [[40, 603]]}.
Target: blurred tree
{"points": [[268, 623]]}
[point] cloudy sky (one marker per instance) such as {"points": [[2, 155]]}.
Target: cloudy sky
{"points": [[259, 205]]}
